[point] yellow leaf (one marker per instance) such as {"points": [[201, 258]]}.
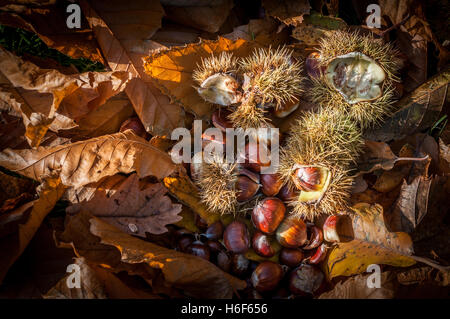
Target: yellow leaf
{"points": [[172, 70], [185, 191], [372, 243]]}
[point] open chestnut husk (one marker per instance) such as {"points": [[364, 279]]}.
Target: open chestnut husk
{"points": [[305, 279], [265, 245], [291, 257], [266, 276], [237, 238], [268, 214], [292, 233]]}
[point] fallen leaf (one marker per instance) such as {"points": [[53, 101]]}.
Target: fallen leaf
{"points": [[208, 17], [84, 162], [388, 180], [356, 288], [13, 245], [188, 220], [124, 44], [196, 276], [379, 155], [182, 188], [287, 11], [50, 25], [172, 34], [418, 110], [172, 70], [133, 206], [369, 243], [47, 99], [262, 31], [95, 283], [444, 157]]}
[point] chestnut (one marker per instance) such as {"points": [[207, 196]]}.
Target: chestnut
{"points": [[268, 214], [246, 188], [305, 279], [308, 178], [312, 65], [214, 231], [292, 233], [200, 222], [236, 237], [291, 257], [184, 242], [134, 124], [319, 255], [315, 237], [287, 108], [288, 194], [266, 276], [330, 226], [239, 264], [199, 249], [271, 184], [220, 119], [252, 154], [264, 245], [214, 246], [223, 261]]}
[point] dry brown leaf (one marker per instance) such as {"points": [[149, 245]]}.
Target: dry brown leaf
{"points": [[379, 155], [172, 69], [262, 31], [95, 283], [287, 11], [368, 242], [106, 119], [418, 110], [50, 25], [13, 245], [388, 180], [172, 34], [47, 99], [134, 206], [196, 276], [186, 192], [88, 161], [356, 288], [208, 18], [444, 157], [124, 44]]}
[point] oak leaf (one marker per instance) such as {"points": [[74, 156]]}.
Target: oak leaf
{"points": [[172, 70], [123, 44], [33, 213], [47, 99], [186, 192], [368, 242], [134, 206], [84, 162]]}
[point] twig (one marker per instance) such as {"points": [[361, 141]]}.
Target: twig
{"points": [[429, 262], [395, 26]]}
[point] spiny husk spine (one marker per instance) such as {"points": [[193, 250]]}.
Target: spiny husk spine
{"points": [[217, 181], [223, 63], [327, 139], [366, 113], [275, 75]]}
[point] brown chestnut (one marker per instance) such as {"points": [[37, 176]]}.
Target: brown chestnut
{"points": [[134, 124], [287, 108], [236, 237], [255, 158], [312, 65], [214, 246], [266, 276], [268, 214], [291, 257], [199, 249], [319, 255], [288, 194], [305, 279], [292, 232], [330, 232], [223, 261], [308, 178], [265, 245], [184, 242], [315, 237], [220, 119], [214, 231], [246, 188], [239, 264], [271, 184]]}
